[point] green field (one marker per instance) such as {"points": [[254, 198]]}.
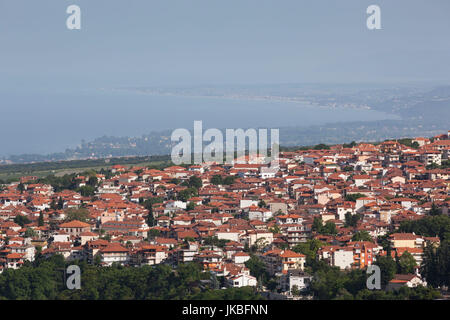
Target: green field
{"points": [[12, 172]]}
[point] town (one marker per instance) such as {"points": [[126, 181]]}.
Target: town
{"points": [[343, 207]]}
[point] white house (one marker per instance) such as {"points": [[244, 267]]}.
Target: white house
{"points": [[240, 257], [242, 280], [342, 258], [294, 278]]}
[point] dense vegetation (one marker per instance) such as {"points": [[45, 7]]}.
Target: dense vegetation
{"points": [[44, 279], [430, 226]]}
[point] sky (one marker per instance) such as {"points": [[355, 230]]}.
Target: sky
{"points": [[190, 42]]}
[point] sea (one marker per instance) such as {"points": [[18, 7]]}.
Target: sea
{"points": [[47, 122]]}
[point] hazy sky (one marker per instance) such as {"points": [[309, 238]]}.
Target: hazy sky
{"points": [[182, 42]]}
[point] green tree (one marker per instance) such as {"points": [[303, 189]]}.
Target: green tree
{"points": [[351, 220], [153, 233], [317, 224], [388, 268], [406, 263], [257, 267], [229, 180], [436, 264], [362, 236], [186, 194], [41, 219], [329, 228], [195, 182], [30, 233], [60, 205], [295, 291], [429, 226], [150, 218], [21, 220], [309, 249], [80, 214], [216, 179], [190, 206], [354, 197], [350, 145], [93, 181], [435, 211], [87, 191], [21, 187]]}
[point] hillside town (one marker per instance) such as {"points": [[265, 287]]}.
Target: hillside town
{"points": [[349, 199]]}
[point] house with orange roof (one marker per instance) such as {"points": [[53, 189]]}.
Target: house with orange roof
{"points": [[75, 227], [149, 255], [406, 240], [281, 261], [114, 253], [14, 260], [405, 280]]}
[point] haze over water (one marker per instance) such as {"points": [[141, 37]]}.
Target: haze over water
{"points": [[61, 120]]}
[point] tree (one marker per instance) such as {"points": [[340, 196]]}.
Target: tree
{"points": [[41, 219], [295, 291], [21, 220], [77, 214], [272, 284], [190, 206], [351, 220], [229, 180], [257, 267], [186, 194], [275, 229], [30, 233], [321, 146], [436, 264], [60, 205], [21, 187], [362, 236], [92, 181], [406, 263], [216, 179], [214, 241], [354, 197], [150, 217], [429, 226], [87, 191], [153, 233], [309, 249], [329, 228], [195, 182], [53, 205], [317, 224], [435, 211], [388, 268], [349, 145]]}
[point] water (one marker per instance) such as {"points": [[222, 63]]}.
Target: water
{"points": [[51, 122]]}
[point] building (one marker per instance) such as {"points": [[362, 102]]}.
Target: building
{"points": [[294, 279], [75, 227], [114, 253]]}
